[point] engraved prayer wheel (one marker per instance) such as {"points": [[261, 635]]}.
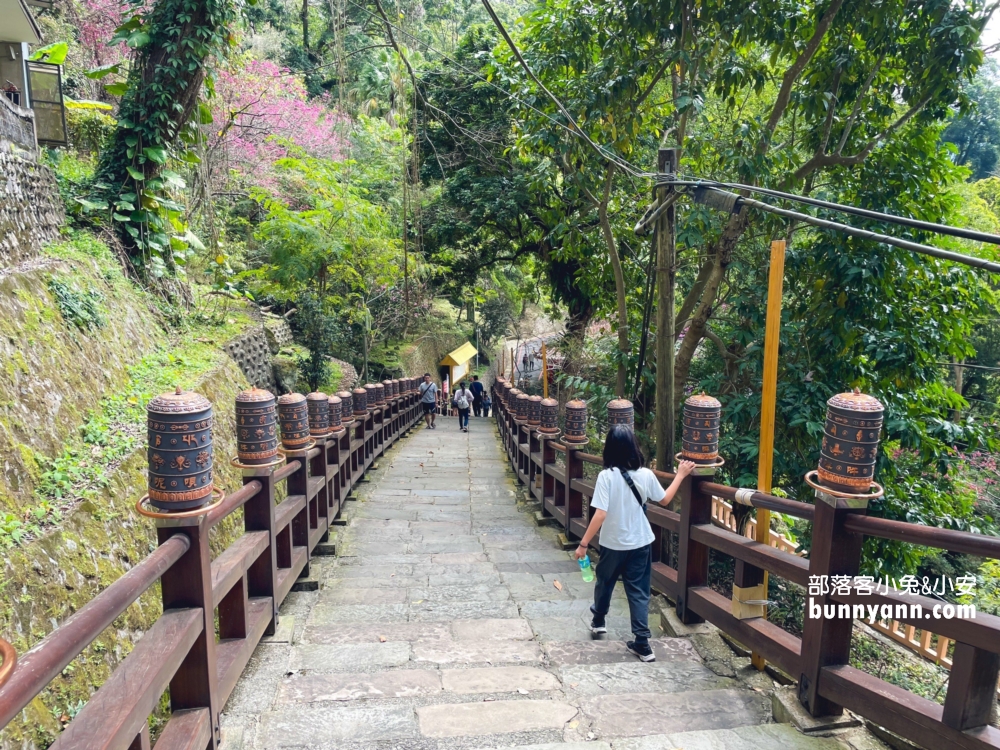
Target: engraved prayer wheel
{"points": [[850, 442], [179, 450], [360, 403], [534, 410], [319, 413], [521, 407], [621, 412], [506, 396], [512, 395], [576, 422], [293, 415], [346, 406], [395, 388], [256, 427], [382, 391], [700, 436], [336, 413], [372, 390], [549, 416]]}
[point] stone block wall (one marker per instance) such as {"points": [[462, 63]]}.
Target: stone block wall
{"points": [[252, 352], [31, 210]]}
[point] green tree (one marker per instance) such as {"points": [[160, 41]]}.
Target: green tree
{"points": [[976, 133]]}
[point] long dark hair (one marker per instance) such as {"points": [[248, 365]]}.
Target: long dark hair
{"points": [[621, 449]]}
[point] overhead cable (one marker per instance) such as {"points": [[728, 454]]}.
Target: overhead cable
{"points": [[718, 198]]}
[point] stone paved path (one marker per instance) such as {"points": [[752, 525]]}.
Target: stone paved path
{"points": [[450, 620]]}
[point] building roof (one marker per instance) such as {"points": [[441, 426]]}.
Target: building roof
{"points": [[461, 355], [18, 25]]}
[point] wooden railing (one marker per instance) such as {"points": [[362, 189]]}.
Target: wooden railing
{"points": [[214, 611], [819, 660]]}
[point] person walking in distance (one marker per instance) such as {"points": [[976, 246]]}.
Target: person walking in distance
{"points": [[526, 361], [487, 404], [463, 402], [618, 512], [428, 399], [477, 395]]}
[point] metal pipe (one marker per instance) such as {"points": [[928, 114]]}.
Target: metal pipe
{"points": [[654, 212], [39, 666]]}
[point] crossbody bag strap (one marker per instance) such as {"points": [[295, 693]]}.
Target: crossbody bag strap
{"points": [[631, 486]]}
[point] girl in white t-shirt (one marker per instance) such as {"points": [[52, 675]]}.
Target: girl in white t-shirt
{"points": [[618, 511]]}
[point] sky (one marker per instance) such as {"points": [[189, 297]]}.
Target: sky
{"points": [[991, 34]]}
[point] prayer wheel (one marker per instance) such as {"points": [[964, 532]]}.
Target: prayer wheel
{"points": [[360, 403], [293, 414], [576, 422], [506, 396], [521, 407], [319, 413], [336, 413], [700, 436], [385, 391], [256, 427], [549, 417], [850, 442], [396, 392], [621, 412], [179, 450], [512, 395], [534, 411], [372, 398], [346, 407]]}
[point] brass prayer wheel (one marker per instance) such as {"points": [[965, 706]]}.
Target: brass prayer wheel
{"points": [[372, 397], [521, 407], [346, 406], [179, 450], [256, 427], [534, 415], [319, 413], [850, 442], [621, 412], [549, 416], [336, 413], [700, 436], [380, 394], [576, 422], [360, 402], [293, 414]]}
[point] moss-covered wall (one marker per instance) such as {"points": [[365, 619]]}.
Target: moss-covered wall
{"points": [[53, 370]]}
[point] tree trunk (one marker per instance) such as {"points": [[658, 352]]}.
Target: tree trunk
{"points": [[616, 266]]}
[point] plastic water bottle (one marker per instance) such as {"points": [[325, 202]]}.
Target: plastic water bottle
{"points": [[585, 570]]}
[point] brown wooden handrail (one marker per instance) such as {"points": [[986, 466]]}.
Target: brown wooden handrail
{"points": [[590, 458], [763, 500], [233, 501], [949, 539], [9, 656], [48, 658], [287, 470]]}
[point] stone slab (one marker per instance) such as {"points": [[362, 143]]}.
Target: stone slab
{"points": [[370, 613], [310, 726], [495, 717], [375, 632], [787, 709], [675, 676], [343, 595], [498, 680], [638, 714], [488, 629], [476, 652], [284, 631], [610, 652], [780, 736], [353, 657], [479, 593], [447, 611], [399, 683]]}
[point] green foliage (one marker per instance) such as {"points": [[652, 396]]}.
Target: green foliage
{"points": [[79, 307], [317, 332], [976, 133], [89, 129]]}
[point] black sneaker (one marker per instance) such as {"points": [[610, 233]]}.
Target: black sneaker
{"points": [[597, 625], [642, 650]]}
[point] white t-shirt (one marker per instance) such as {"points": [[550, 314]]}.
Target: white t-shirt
{"points": [[626, 526]]}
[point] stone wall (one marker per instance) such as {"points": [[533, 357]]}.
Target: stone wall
{"points": [[252, 351], [31, 210]]}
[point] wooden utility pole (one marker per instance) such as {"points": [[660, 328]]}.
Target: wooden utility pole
{"points": [[768, 399], [664, 238], [545, 372]]}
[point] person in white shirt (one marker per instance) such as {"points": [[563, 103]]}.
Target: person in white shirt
{"points": [[618, 512], [463, 402]]}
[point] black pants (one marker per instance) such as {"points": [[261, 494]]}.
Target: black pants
{"points": [[477, 406], [634, 567]]}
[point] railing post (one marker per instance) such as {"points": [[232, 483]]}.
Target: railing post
{"points": [[548, 481], [574, 498], [188, 584], [692, 563], [258, 515], [298, 484], [972, 687], [826, 642]]}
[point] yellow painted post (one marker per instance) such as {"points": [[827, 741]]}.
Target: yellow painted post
{"points": [[768, 399], [545, 373]]}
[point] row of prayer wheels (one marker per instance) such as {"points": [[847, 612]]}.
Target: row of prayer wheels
{"points": [[847, 457], [180, 453]]}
